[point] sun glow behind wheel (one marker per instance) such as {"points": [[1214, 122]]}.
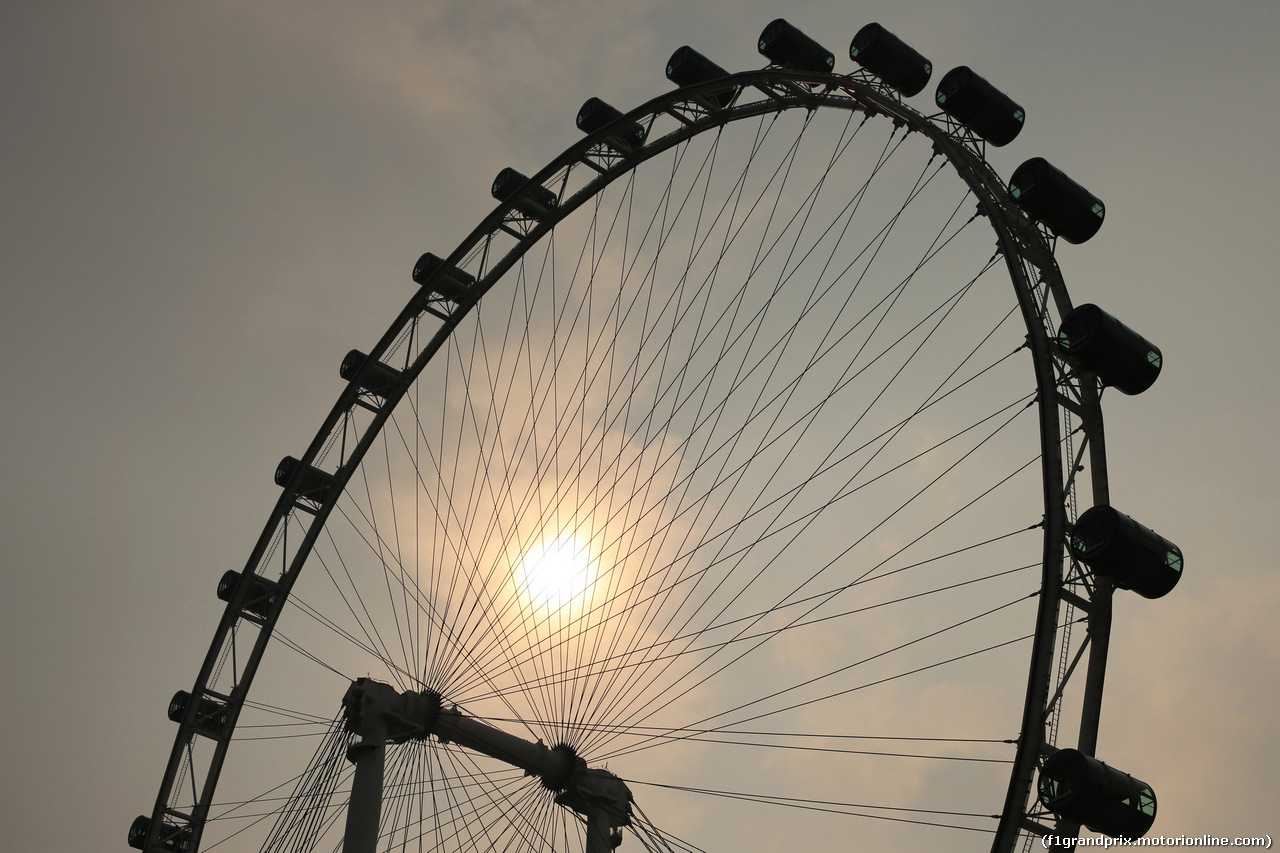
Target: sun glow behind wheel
{"points": [[767, 391], [555, 574]]}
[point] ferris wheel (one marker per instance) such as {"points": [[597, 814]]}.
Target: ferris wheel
{"points": [[720, 490]]}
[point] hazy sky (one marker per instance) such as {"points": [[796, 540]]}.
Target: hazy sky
{"points": [[206, 205]]}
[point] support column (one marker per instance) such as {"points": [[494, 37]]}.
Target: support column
{"points": [[364, 812], [599, 835]]}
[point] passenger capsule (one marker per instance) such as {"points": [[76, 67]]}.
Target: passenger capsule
{"points": [[891, 59], [687, 67], [1049, 196], [595, 114], [1081, 788], [450, 282], [1097, 342], [170, 837], [371, 375], [1132, 556], [785, 45], [534, 201], [138, 831], [211, 717], [979, 106], [258, 600], [313, 483]]}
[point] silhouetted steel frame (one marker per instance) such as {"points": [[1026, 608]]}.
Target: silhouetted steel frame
{"points": [[1028, 254]]}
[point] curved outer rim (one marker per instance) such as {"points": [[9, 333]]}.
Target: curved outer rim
{"points": [[1028, 254]]}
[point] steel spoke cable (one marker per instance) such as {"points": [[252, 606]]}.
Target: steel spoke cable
{"points": [[788, 162], [623, 661], [900, 422], [316, 659], [483, 585], [322, 756], [689, 673], [869, 658], [656, 839], [480, 600], [866, 575], [758, 320], [847, 667], [610, 587], [332, 626], [802, 418], [494, 800], [830, 806], [461, 808], [691, 733], [289, 713], [967, 655], [298, 821], [866, 444], [479, 585], [399, 790], [613, 582], [694, 634], [823, 596], [445, 626], [716, 588], [894, 513], [371, 629], [411, 655], [382, 561], [425, 635], [418, 596]]}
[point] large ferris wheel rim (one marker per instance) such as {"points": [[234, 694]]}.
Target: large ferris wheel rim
{"points": [[780, 89]]}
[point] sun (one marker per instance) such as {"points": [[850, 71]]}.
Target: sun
{"points": [[555, 573]]}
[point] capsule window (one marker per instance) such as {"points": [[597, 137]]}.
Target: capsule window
{"points": [[1148, 802]]}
